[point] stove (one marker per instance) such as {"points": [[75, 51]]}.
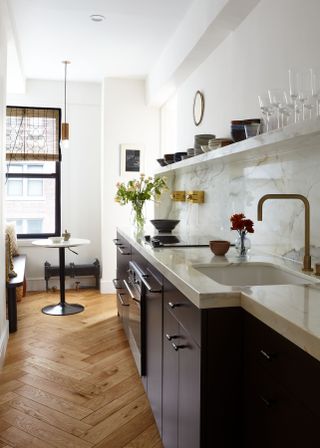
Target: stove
{"points": [[170, 240]]}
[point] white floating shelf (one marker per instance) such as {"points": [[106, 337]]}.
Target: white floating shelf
{"points": [[298, 136]]}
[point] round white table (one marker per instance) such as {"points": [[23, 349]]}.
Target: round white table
{"points": [[62, 308]]}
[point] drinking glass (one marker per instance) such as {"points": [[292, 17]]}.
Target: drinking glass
{"points": [[304, 91], [276, 100], [315, 88], [266, 109], [293, 90]]}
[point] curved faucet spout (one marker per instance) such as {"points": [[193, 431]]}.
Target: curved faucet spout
{"points": [[307, 257]]}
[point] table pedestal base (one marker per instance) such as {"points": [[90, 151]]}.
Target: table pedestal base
{"points": [[63, 309]]}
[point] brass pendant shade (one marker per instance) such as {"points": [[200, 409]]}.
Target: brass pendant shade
{"points": [[65, 131], [65, 125]]}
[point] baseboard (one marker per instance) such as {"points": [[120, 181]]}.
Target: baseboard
{"points": [[4, 337], [39, 284], [107, 287]]}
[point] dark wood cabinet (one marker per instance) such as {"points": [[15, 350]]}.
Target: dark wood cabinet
{"points": [[153, 344], [123, 257], [170, 382], [280, 388], [181, 371], [219, 377]]}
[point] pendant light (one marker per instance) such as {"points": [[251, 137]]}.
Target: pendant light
{"points": [[65, 125]]}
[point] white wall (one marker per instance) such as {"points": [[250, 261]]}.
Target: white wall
{"points": [[275, 36], [80, 190], [126, 119], [4, 329]]}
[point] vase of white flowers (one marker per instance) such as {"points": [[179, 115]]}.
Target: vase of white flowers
{"points": [[136, 192]]}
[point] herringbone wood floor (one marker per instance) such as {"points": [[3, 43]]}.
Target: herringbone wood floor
{"points": [[71, 382]]}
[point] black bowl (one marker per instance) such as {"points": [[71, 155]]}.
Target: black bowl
{"points": [[162, 162], [164, 225]]}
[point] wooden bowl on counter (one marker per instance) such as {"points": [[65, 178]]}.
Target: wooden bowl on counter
{"points": [[219, 247]]}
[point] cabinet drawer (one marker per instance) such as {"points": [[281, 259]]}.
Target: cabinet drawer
{"points": [[184, 311], [272, 417], [289, 366], [123, 247]]}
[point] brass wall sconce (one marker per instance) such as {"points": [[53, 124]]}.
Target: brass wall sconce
{"points": [[195, 197], [178, 196]]}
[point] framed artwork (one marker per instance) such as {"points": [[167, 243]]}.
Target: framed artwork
{"points": [[130, 159]]}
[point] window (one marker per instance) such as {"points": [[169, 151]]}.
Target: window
{"points": [[33, 171]]}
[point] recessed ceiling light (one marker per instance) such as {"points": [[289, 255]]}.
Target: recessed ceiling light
{"points": [[97, 17]]}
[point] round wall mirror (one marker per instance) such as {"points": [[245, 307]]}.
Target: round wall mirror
{"points": [[198, 108]]}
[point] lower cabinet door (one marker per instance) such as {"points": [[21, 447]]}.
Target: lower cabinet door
{"points": [[153, 379], [170, 382], [273, 418], [189, 392]]}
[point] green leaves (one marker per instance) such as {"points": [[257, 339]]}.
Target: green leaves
{"points": [[139, 190]]}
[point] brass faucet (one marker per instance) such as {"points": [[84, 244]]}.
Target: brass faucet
{"points": [[307, 257]]}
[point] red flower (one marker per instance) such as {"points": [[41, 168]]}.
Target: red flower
{"points": [[240, 224]]}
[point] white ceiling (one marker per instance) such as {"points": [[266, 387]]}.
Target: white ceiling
{"points": [[126, 44]]}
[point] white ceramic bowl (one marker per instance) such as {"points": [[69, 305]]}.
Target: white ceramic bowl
{"points": [[205, 148], [56, 239]]}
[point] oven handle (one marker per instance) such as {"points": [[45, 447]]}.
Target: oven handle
{"points": [[129, 290], [143, 277], [120, 294]]}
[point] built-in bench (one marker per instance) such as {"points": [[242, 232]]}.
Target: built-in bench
{"points": [[19, 265], [73, 270]]}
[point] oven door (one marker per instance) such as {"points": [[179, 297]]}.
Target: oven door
{"points": [[135, 322]]}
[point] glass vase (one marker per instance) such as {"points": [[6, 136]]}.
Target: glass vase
{"points": [[242, 244], [138, 216]]}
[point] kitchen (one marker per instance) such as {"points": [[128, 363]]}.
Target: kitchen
{"points": [[252, 52]]}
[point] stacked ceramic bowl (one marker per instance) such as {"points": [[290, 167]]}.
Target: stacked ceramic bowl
{"points": [[178, 156], [201, 140], [190, 152], [238, 132]]}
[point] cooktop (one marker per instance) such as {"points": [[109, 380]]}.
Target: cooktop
{"points": [[169, 240]]}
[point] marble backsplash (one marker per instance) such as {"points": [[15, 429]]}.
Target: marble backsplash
{"points": [[236, 186]]}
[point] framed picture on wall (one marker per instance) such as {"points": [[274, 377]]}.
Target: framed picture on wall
{"points": [[131, 157]]}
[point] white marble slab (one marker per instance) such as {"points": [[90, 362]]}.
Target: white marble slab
{"points": [[293, 311], [235, 185]]}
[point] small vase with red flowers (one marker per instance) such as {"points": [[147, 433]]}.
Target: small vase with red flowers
{"points": [[243, 226]]}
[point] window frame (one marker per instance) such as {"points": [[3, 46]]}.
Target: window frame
{"points": [[57, 177]]}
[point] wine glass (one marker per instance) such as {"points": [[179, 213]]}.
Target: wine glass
{"points": [[266, 109], [289, 106], [276, 100], [293, 90], [304, 91], [315, 88]]}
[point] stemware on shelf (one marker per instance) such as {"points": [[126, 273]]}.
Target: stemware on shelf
{"points": [[276, 100], [266, 109], [289, 106], [293, 90], [315, 88], [304, 92]]}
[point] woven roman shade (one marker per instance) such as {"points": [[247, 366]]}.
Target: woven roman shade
{"points": [[32, 133]]}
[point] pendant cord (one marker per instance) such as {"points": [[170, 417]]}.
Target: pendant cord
{"points": [[65, 91]]}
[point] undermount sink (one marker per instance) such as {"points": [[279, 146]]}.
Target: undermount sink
{"points": [[253, 274]]}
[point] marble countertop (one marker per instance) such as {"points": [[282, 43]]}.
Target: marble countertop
{"points": [[291, 310]]}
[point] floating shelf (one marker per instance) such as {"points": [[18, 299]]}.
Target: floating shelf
{"points": [[295, 137]]}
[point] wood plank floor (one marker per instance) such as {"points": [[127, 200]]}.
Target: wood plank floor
{"points": [[71, 382]]}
